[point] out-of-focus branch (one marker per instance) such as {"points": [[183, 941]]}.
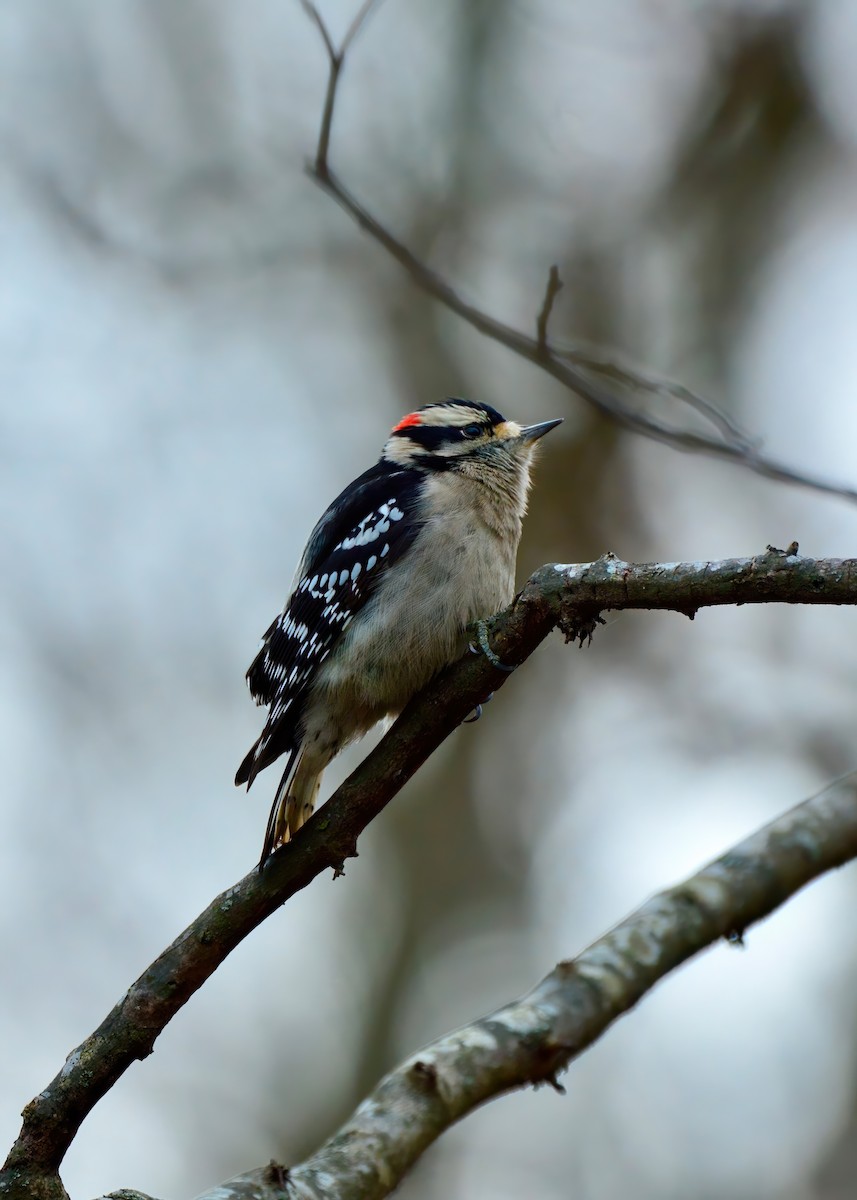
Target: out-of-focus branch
{"points": [[336, 59], [577, 369], [568, 596], [531, 1039], [552, 290]]}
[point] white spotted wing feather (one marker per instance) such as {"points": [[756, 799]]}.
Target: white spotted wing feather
{"points": [[363, 532]]}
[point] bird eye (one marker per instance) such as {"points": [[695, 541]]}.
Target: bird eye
{"points": [[472, 431]]}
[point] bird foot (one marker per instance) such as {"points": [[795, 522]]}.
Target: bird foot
{"points": [[481, 630]]}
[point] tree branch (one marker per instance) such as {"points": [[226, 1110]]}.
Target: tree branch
{"points": [[336, 60], [568, 596], [552, 290], [570, 366], [530, 1040]]}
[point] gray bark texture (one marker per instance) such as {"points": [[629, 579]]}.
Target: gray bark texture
{"points": [[528, 1041]]}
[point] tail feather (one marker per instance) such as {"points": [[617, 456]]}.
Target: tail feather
{"points": [[293, 803], [267, 748], [245, 772]]}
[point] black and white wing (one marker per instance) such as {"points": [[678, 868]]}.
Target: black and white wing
{"points": [[366, 529]]}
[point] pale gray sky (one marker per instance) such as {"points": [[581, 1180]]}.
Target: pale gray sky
{"points": [[196, 352]]}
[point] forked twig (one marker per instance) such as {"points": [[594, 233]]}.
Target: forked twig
{"points": [[336, 60], [577, 369]]}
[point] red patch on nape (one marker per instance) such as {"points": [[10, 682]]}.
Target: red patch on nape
{"points": [[406, 422]]}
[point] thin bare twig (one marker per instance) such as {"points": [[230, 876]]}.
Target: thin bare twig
{"points": [[357, 24], [570, 367], [335, 66], [336, 61], [317, 19], [612, 366], [552, 290], [575, 379]]}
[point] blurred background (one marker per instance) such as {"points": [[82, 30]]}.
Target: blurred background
{"points": [[198, 350]]}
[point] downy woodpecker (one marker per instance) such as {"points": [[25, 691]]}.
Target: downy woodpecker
{"points": [[408, 556]]}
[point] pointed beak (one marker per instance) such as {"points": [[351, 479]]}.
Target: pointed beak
{"points": [[532, 433]]}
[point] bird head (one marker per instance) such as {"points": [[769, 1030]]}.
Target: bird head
{"points": [[465, 436]]}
